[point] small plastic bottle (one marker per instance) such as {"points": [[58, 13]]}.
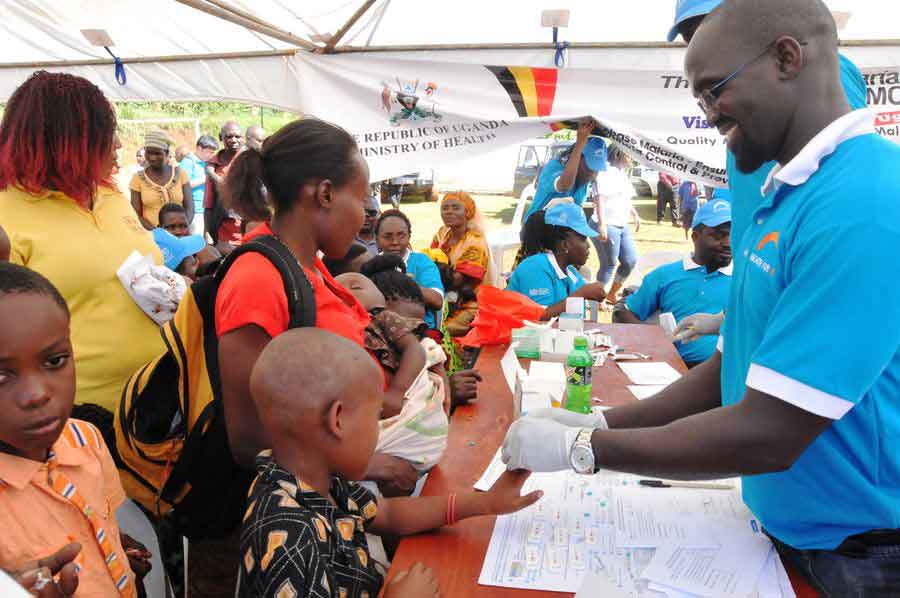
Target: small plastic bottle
{"points": [[579, 366]]}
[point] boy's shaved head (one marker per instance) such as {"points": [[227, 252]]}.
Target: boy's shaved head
{"points": [[302, 372]]}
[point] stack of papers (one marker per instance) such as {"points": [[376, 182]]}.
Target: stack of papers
{"points": [[606, 536], [654, 373]]}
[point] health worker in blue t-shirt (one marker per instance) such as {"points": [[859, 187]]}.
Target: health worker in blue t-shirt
{"points": [[571, 174], [699, 283], [744, 189], [555, 242], [801, 399]]}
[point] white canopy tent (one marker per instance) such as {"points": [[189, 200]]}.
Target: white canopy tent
{"points": [[242, 50], [302, 56]]}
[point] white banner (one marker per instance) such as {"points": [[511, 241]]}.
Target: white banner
{"points": [[409, 115]]}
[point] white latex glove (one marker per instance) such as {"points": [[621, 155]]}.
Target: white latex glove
{"points": [[694, 326], [538, 444], [570, 418]]}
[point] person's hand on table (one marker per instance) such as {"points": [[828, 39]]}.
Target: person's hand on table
{"points": [[417, 582], [38, 577], [395, 476], [505, 496], [538, 444], [694, 326], [464, 387]]}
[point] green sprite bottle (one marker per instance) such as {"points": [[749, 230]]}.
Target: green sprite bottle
{"points": [[579, 365]]}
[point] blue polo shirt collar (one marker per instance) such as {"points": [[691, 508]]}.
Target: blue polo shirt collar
{"points": [[560, 273], [688, 264], [806, 163]]}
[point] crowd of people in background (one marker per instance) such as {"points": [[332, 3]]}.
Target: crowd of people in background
{"points": [[306, 187], [247, 356]]}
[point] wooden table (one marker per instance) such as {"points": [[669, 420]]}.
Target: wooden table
{"points": [[456, 553]]}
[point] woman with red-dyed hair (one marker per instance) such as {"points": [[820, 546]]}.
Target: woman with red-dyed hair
{"points": [[66, 219]]}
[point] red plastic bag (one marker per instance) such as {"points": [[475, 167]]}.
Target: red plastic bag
{"points": [[499, 313]]}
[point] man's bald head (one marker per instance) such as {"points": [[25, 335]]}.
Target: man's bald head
{"points": [[303, 371], [255, 136], [767, 71], [230, 125], [753, 24]]}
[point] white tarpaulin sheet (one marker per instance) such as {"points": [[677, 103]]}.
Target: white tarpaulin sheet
{"points": [[409, 114], [636, 91]]}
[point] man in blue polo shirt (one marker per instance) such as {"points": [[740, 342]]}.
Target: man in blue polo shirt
{"points": [[697, 284], [802, 400], [743, 188], [571, 174]]}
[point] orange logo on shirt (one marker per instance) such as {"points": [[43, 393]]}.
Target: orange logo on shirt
{"points": [[769, 238]]}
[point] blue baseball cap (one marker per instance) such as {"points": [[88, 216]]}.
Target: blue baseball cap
{"points": [[571, 216], [712, 214], [687, 9], [594, 154], [175, 249]]}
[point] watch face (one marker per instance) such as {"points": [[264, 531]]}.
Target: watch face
{"points": [[583, 459]]}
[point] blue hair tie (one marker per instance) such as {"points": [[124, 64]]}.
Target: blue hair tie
{"points": [[120, 68]]}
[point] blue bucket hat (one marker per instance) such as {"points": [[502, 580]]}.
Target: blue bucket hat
{"points": [[594, 154], [712, 214], [571, 216], [175, 249], [687, 9]]}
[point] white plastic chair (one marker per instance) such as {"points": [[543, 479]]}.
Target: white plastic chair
{"points": [[504, 239], [133, 522]]}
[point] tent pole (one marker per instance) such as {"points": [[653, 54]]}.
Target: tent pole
{"points": [[149, 59], [329, 47], [246, 23], [853, 43], [384, 8], [252, 17]]}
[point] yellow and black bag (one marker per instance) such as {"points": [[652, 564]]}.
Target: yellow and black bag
{"points": [[174, 456]]}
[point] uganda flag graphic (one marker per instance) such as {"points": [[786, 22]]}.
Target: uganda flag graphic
{"points": [[531, 90]]}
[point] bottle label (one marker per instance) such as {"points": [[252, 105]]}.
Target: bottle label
{"points": [[579, 375]]}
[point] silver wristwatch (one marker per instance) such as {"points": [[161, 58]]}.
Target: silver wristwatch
{"points": [[581, 457]]}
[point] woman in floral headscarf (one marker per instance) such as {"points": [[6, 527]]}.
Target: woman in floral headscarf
{"points": [[462, 240]]}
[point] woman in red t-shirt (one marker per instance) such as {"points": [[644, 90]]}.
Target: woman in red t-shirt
{"points": [[310, 182]]}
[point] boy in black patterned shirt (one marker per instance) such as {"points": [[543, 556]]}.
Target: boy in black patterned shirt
{"points": [[304, 529]]}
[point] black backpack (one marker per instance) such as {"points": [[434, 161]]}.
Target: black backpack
{"points": [[174, 454]]}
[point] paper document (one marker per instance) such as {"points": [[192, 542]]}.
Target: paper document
{"points": [[654, 373], [733, 569], [600, 585], [555, 542], [655, 516], [10, 589], [774, 581], [493, 472], [645, 392]]}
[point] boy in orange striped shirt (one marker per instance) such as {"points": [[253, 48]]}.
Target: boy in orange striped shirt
{"points": [[59, 488]]}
